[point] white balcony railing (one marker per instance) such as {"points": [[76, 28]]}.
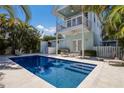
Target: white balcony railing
{"points": [[63, 26]]}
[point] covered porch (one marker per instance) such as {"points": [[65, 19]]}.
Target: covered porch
{"points": [[73, 42], [74, 29]]}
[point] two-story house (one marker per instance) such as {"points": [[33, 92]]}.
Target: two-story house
{"points": [[81, 30]]}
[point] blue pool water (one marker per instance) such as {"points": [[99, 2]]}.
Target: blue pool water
{"points": [[59, 73]]}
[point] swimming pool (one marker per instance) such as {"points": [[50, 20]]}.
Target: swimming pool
{"points": [[60, 73]]}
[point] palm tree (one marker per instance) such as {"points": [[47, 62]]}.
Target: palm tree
{"points": [[116, 18], [97, 9], [112, 21], [10, 24], [9, 9], [12, 11], [3, 42], [22, 37], [111, 17], [3, 22]]}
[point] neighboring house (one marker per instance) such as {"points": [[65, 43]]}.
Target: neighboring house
{"points": [[71, 21]]}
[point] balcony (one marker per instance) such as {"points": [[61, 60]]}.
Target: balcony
{"points": [[66, 11], [73, 23]]}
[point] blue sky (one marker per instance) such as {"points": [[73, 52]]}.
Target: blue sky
{"points": [[42, 17], [42, 14]]}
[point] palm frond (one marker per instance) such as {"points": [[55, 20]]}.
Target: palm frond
{"points": [[9, 9], [115, 10], [27, 12]]}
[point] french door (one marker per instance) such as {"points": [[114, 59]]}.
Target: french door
{"points": [[76, 45]]}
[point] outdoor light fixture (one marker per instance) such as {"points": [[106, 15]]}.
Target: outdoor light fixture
{"points": [[72, 10]]}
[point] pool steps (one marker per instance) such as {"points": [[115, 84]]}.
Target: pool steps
{"points": [[81, 68], [87, 69], [85, 65], [77, 70]]}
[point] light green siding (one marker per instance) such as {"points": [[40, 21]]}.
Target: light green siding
{"points": [[88, 42]]}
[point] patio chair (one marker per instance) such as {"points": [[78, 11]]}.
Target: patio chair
{"points": [[64, 52]]}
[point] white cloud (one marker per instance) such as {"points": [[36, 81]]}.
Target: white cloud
{"points": [[46, 31], [40, 27]]}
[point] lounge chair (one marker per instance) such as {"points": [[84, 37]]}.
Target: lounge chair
{"points": [[17, 53], [116, 61], [100, 59], [79, 55], [1, 77], [64, 54], [73, 55]]}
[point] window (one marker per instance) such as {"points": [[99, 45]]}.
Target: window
{"points": [[69, 23], [74, 22], [94, 18], [86, 15], [79, 20]]}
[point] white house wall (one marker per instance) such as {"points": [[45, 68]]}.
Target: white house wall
{"points": [[94, 26], [67, 42], [96, 29]]}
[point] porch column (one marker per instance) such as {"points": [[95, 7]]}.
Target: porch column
{"points": [[56, 43], [82, 31], [56, 36]]}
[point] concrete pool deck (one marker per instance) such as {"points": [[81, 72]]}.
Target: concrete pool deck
{"points": [[103, 76]]}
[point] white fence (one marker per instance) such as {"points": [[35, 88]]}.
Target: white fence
{"points": [[44, 47], [108, 51], [51, 50], [61, 44]]}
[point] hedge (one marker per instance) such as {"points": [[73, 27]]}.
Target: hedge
{"points": [[90, 53]]}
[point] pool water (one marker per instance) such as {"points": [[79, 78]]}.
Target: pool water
{"points": [[59, 73]]}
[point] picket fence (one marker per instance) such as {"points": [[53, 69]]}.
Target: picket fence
{"points": [[108, 51]]}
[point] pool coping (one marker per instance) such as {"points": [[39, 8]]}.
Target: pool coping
{"points": [[33, 76], [88, 81]]}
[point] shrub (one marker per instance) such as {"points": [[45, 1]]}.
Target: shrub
{"points": [[90, 53], [47, 38], [65, 50], [3, 46], [59, 51]]}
